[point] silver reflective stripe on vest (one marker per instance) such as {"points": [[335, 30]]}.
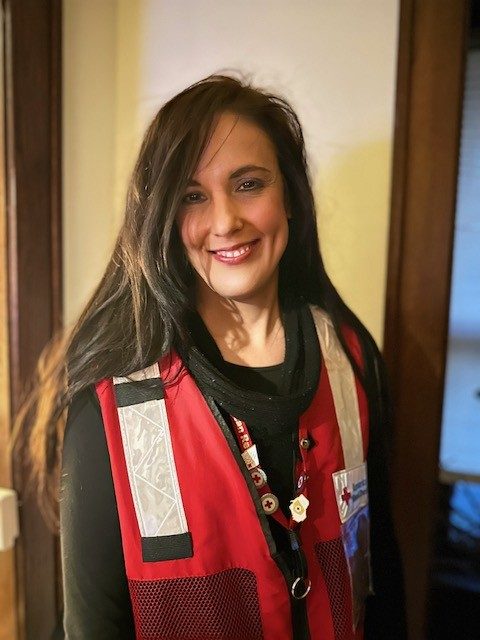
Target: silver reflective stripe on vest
{"points": [[342, 383], [150, 462]]}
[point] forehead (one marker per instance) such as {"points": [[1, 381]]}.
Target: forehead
{"points": [[236, 141]]}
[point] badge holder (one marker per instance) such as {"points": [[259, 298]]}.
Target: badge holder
{"points": [[351, 491]]}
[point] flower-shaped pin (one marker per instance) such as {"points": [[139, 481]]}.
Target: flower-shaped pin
{"points": [[298, 508]]}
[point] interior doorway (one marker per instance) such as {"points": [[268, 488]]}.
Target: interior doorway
{"points": [[455, 579], [433, 46]]}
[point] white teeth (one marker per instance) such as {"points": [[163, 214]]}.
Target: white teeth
{"points": [[235, 253]]}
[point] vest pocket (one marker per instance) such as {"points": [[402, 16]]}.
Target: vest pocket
{"points": [[220, 606], [174, 547]]}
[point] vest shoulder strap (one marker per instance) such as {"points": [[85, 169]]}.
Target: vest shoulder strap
{"points": [[342, 383]]}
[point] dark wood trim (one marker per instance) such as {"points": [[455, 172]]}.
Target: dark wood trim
{"points": [[8, 572], [432, 45], [56, 88], [33, 174], [399, 180]]}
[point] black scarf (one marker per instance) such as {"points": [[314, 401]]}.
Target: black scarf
{"points": [[299, 379]]}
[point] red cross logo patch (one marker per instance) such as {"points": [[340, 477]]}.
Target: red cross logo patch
{"points": [[346, 495]]}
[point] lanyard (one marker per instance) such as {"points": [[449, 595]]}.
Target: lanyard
{"points": [[298, 506], [270, 503]]}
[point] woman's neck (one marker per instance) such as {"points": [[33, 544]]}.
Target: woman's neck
{"points": [[247, 333]]}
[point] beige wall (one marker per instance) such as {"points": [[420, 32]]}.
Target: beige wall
{"points": [[334, 60]]}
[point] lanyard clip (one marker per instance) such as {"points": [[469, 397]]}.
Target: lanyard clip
{"points": [[301, 585], [301, 588]]}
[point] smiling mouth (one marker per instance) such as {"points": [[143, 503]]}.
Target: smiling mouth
{"points": [[234, 253]]}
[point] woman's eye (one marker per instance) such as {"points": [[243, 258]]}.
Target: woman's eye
{"points": [[250, 185], [192, 198]]}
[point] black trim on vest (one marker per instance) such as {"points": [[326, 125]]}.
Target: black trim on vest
{"points": [[131, 393], [174, 547]]}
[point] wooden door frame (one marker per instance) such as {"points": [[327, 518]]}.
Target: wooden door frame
{"points": [[430, 77], [8, 583], [32, 99]]}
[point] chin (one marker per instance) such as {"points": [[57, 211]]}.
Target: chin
{"points": [[236, 295], [242, 290]]}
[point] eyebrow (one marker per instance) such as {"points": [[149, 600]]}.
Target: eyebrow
{"points": [[237, 173]]}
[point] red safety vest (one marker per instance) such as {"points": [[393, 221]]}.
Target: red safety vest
{"points": [[197, 546]]}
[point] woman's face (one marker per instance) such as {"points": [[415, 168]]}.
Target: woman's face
{"points": [[233, 222]]}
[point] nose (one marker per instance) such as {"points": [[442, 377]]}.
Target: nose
{"points": [[226, 216]]}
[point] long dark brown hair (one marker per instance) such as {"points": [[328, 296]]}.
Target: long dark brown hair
{"points": [[137, 312]]}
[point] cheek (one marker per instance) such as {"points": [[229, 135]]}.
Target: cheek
{"points": [[273, 219], [282, 235]]}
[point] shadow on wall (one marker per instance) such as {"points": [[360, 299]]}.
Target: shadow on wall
{"points": [[130, 119], [352, 192], [101, 93]]}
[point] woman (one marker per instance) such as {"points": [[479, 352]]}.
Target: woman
{"points": [[222, 403]]}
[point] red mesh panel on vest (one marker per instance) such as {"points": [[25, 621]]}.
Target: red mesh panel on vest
{"points": [[222, 606], [331, 557]]}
